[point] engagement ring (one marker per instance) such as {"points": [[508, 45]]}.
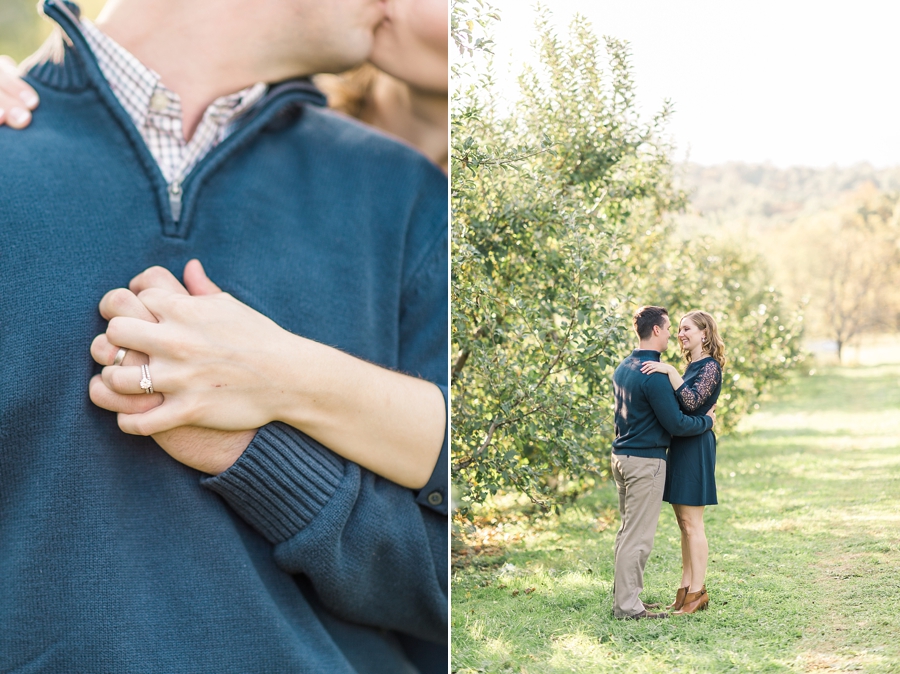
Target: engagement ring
{"points": [[146, 383]]}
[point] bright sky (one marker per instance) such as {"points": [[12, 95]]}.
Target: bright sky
{"points": [[792, 82]]}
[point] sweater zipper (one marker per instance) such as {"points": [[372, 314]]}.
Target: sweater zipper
{"points": [[175, 200], [259, 114]]}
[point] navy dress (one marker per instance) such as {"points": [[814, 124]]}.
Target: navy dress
{"points": [[691, 462]]}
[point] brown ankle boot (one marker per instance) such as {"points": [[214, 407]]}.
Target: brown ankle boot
{"points": [[679, 599], [693, 602]]}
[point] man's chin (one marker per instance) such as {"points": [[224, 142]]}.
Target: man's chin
{"points": [[348, 59]]}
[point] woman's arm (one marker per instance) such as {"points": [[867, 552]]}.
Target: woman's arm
{"points": [[17, 98], [221, 365], [692, 398], [652, 366], [371, 550]]}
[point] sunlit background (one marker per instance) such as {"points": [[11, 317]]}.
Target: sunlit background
{"points": [[791, 83], [22, 29], [786, 136]]}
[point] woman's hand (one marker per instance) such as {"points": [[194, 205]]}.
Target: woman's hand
{"points": [[219, 364], [651, 366], [205, 449], [17, 98], [214, 360]]}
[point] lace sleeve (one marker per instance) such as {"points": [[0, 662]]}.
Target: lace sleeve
{"points": [[693, 397]]}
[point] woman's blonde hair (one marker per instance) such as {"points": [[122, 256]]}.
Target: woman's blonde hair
{"points": [[349, 91], [714, 346]]}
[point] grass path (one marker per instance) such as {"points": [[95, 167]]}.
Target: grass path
{"points": [[804, 572]]}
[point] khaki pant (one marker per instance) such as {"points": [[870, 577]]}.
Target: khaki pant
{"points": [[640, 482]]}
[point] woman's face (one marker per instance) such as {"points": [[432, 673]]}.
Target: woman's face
{"points": [[411, 43], [690, 335]]}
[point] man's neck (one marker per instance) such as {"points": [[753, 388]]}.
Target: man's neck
{"points": [[196, 55], [648, 346]]}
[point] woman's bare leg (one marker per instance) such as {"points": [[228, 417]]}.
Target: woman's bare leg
{"points": [[694, 547], [685, 551]]}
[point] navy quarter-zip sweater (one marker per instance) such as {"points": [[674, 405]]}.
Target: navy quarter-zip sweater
{"points": [[647, 414], [116, 558]]}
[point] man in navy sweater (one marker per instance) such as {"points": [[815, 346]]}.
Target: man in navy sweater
{"points": [[647, 416], [114, 556]]}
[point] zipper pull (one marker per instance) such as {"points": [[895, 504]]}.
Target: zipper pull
{"points": [[175, 200]]}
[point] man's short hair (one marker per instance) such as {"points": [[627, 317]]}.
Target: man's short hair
{"points": [[646, 317]]}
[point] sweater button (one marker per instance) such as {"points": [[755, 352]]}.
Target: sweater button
{"points": [[435, 498]]}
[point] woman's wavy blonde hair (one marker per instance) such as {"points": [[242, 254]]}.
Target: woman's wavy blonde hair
{"points": [[714, 346]]}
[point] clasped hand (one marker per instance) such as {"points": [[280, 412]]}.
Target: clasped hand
{"points": [[221, 370], [207, 354]]}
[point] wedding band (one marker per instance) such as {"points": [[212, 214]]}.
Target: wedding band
{"points": [[120, 356], [146, 384]]}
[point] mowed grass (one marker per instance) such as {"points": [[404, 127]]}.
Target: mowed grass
{"points": [[804, 572]]}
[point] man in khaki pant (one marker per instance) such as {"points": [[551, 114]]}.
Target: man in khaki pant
{"points": [[647, 416]]}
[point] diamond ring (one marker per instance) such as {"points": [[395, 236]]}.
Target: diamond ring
{"points": [[146, 383]]}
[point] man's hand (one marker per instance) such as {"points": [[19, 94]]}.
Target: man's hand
{"points": [[208, 450], [712, 415]]}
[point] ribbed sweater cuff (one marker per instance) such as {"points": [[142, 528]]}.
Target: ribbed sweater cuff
{"points": [[280, 482], [434, 494]]}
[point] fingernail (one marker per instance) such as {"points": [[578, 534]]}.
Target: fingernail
{"points": [[29, 98], [19, 116]]}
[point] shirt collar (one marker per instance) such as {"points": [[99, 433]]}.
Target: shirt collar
{"points": [[141, 92], [131, 81], [645, 354]]}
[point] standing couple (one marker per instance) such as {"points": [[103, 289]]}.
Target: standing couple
{"points": [[649, 420]]}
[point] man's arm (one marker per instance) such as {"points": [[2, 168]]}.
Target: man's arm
{"points": [[372, 553], [424, 347], [362, 532], [665, 407]]}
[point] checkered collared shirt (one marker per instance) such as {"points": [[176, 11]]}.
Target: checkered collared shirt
{"points": [[156, 110]]}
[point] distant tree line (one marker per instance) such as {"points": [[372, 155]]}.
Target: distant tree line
{"points": [[831, 237], [761, 196], [844, 263]]}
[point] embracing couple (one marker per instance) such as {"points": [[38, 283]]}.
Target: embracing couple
{"points": [[665, 451]]}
